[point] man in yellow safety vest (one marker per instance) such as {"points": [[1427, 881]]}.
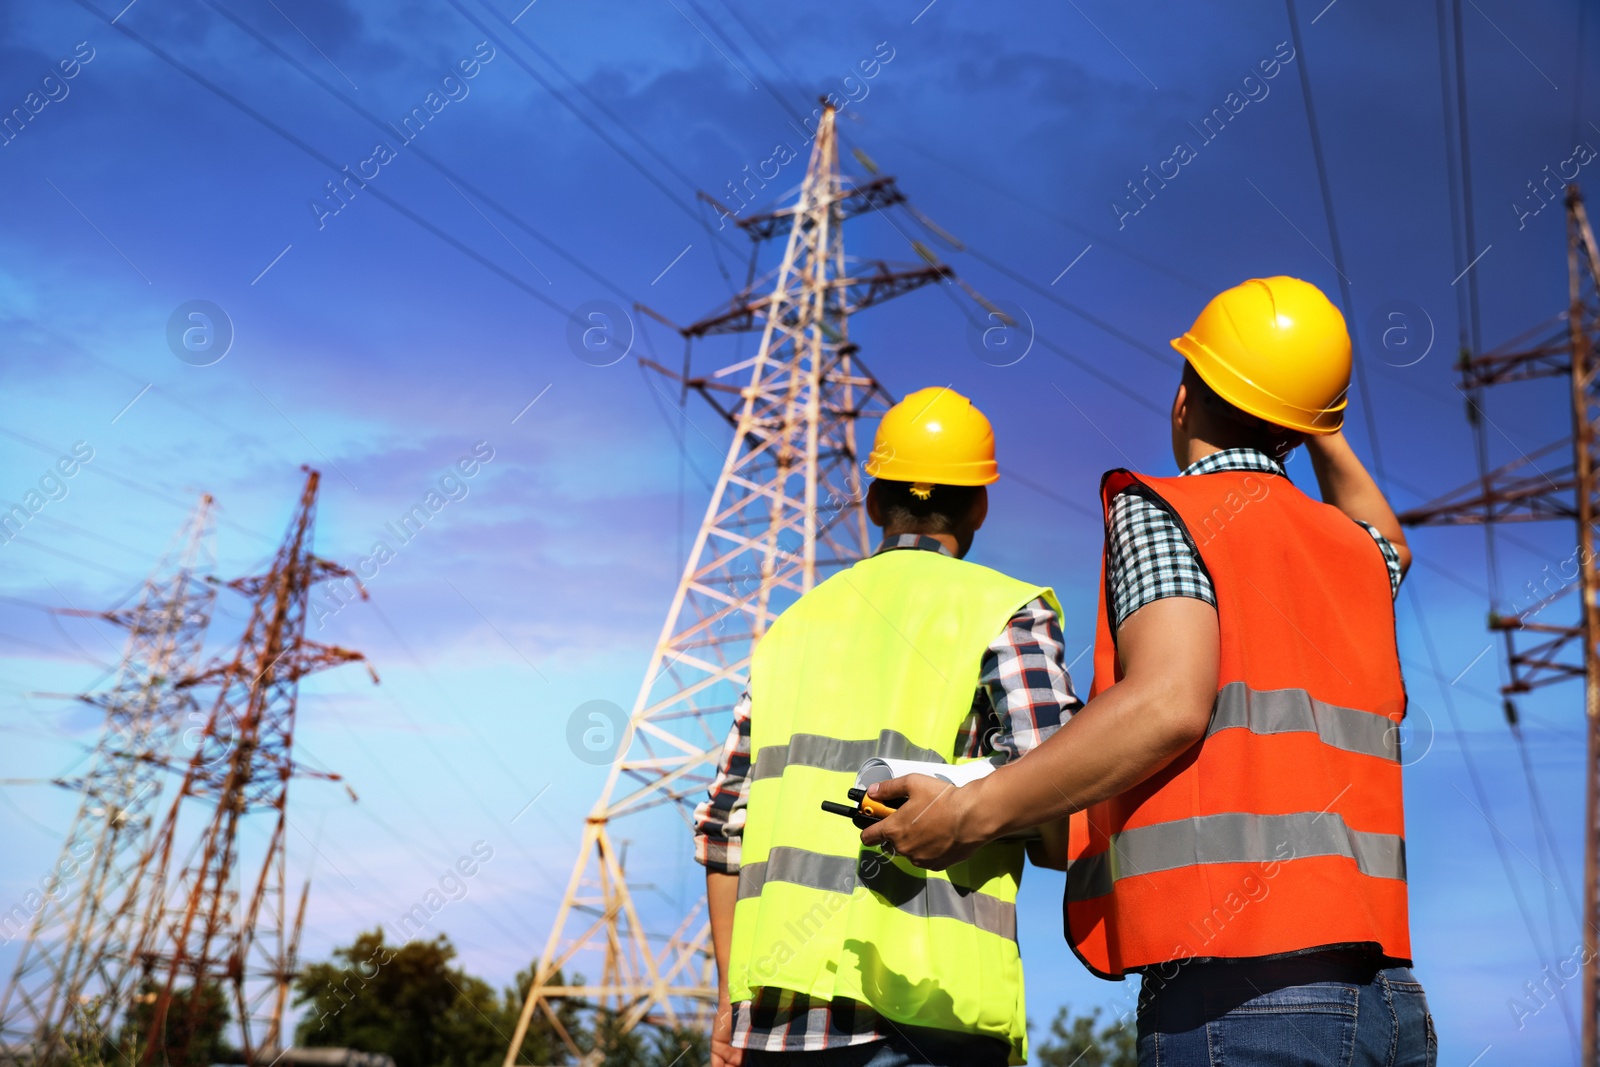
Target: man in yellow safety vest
{"points": [[829, 953]]}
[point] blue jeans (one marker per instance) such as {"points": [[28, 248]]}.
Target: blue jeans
{"points": [[904, 1046], [1310, 1011]]}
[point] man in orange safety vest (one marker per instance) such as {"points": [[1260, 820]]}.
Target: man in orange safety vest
{"points": [[1233, 784]]}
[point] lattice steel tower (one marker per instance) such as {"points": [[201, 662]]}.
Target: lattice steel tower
{"points": [[1540, 652], [67, 980], [785, 512], [198, 932]]}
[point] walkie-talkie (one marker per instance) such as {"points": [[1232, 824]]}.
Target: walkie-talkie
{"points": [[866, 810]]}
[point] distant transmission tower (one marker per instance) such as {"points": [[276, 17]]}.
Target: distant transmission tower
{"points": [[1539, 651], [67, 978], [196, 935], [786, 509]]}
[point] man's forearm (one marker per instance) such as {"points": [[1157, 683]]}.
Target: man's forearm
{"points": [[1112, 745], [1169, 651], [722, 893], [1346, 485]]}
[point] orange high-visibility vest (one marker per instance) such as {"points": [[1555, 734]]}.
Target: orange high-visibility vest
{"points": [[1282, 830]]}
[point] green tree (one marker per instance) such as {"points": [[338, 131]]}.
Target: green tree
{"points": [[1080, 1041], [542, 1044], [188, 1038], [411, 1002]]}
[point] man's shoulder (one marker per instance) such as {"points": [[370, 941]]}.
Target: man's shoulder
{"points": [[927, 571]]}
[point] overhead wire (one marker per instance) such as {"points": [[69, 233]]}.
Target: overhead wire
{"points": [[1085, 365], [99, 468], [694, 215], [1577, 72], [19, 539], [423, 154], [961, 245], [461, 780], [485, 743], [1482, 793], [1060, 220], [408, 796], [1464, 243], [1369, 416], [716, 28], [762, 42], [61, 524], [600, 105], [316, 154], [1378, 464]]}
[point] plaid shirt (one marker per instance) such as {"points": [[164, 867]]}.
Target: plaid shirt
{"points": [[1024, 694], [1148, 556]]}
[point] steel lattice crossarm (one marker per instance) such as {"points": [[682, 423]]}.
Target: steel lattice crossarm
{"points": [[1515, 361], [1520, 491], [850, 200], [1540, 664], [748, 312], [69, 976]]}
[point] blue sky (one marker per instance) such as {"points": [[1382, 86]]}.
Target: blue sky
{"points": [[382, 342]]}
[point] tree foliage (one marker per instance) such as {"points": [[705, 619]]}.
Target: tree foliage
{"points": [[1081, 1041], [189, 1038], [412, 1002]]}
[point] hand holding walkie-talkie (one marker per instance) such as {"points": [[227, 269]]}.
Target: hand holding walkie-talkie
{"points": [[865, 812]]}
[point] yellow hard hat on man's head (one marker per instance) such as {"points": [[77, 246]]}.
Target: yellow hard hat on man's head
{"points": [[1276, 348], [934, 437]]}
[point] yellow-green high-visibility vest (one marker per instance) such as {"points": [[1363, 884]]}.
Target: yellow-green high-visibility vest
{"points": [[882, 659]]}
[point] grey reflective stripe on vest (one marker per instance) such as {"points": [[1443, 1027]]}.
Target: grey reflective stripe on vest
{"points": [[832, 754], [914, 894], [1235, 837], [1281, 711]]}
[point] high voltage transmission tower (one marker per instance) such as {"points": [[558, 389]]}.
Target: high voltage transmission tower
{"points": [[786, 511], [68, 977], [1538, 651], [195, 939]]}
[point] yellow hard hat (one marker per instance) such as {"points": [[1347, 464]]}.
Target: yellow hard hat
{"points": [[1276, 348], [934, 437]]}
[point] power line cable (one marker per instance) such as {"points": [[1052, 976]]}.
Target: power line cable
{"points": [[103, 471], [37, 546], [1060, 220], [762, 42], [60, 524], [384, 198], [737, 51], [594, 101], [427, 157], [694, 215], [600, 105], [1377, 455], [1577, 72], [1078, 361], [963, 246], [1468, 219], [1468, 313], [1369, 417], [1483, 796]]}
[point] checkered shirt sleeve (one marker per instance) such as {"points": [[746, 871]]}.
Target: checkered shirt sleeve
{"points": [[1391, 556], [1149, 557], [719, 819], [1024, 691]]}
